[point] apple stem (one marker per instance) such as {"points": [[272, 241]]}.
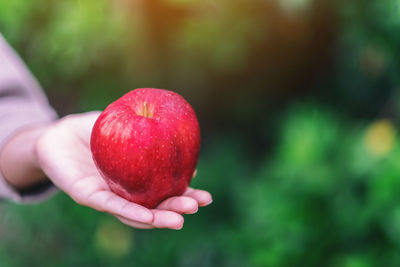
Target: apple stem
{"points": [[145, 110]]}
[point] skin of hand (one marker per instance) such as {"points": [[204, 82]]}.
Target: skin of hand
{"points": [[61, 151]]}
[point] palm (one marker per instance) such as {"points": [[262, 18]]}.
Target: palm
{"points": [[64, 155]]}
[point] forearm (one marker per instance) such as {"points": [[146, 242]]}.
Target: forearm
{"points": [[18, 161], [22, 105]]}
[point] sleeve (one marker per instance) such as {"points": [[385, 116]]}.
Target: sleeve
{"points": [[22, 104]]}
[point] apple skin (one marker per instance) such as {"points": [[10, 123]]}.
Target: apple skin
{"points": [[146, 145]]}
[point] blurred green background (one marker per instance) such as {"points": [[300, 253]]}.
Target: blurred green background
{"points": [[298, 100]]}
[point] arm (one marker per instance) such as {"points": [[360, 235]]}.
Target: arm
{"points": [[18, 162], [23, 107], [33, 146]]}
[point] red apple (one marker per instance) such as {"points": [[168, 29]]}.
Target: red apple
{"points": [[146, 145]]}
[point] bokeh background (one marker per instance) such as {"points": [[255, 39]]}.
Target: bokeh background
{"points": [[299, 105]]}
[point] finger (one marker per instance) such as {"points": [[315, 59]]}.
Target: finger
{"points": [[84, 122], [194, 173], [83, 119], [202, 197], [167, 219], [186, 205], [134, 223], [111, 203], [162, 219]]}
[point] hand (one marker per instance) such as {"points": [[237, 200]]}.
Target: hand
{"points": [[63, 153]]}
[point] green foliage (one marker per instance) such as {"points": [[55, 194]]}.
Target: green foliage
{"points": [[305, 206]]}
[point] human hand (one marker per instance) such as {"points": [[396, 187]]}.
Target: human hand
{"points": [[63, 153]]}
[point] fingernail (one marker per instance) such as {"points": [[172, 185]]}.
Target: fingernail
{"points": [[178, 228], [193, 211], [208, 203]]}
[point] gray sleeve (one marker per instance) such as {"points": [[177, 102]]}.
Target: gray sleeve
{"points": [[22, 104]]}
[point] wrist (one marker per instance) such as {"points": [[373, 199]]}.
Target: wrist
{"points": [[19, 164]]}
